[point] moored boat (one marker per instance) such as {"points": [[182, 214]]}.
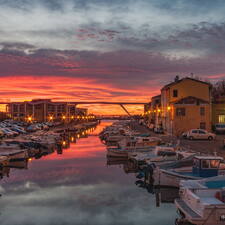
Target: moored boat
{"points": [[203, 166], [202, 202]]}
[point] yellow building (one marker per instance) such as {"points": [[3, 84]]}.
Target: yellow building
{"points": [[186, 105], [218, 110]]}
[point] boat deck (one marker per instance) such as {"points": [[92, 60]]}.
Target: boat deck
{"points": [[211, 201], [215, 184], [186, 209]]}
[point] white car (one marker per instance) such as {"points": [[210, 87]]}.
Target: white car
{"points": [[200, 134]]}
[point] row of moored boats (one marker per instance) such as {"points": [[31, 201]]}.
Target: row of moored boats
{"points": [[200, 178]]}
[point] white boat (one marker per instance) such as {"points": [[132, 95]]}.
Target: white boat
{"points": [[203, 166], [159, 154], [202, 202], [132, 145]]}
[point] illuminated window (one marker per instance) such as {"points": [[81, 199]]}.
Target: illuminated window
{"points": [[221, 118]]}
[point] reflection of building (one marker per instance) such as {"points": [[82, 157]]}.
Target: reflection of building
{"points": [[218, 110], [44, 110]]}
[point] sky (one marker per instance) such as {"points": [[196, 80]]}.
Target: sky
{"points": [[107, 50]]}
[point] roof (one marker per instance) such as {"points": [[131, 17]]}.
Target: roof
{"points": [[156, 96], [208, 157], [190, 100], [185, 78]]}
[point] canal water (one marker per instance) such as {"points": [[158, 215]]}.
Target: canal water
{"points": [[77, 187]]}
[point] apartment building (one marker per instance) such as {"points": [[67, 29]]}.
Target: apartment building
{"points": [[42, 110]]}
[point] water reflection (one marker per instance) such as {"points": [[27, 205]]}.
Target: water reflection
{"points": [[79, 186]]}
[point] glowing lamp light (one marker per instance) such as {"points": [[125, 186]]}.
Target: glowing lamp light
{"points": [[51, 117], [64, 143], [159, 110], [30, 159], [168, 108], [72, 138], [78, 136], [64, 117], [72, 117], [29, 118]]}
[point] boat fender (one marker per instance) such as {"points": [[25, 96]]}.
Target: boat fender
{"points": [[218, 196]]}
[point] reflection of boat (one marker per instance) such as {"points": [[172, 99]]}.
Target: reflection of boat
{"points": [[116, 161], [202, 202], [166, 195], [4, 171], [203, 166], [15, 155], [130, 167], [19, 164]]}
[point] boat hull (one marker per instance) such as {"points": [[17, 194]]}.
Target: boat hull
{"points": [[170, 179]]}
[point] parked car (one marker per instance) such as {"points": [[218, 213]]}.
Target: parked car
{"points": [[220, 128], [158, 130], [184, 135], [200, 134]]}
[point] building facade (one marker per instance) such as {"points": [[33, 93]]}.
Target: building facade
{"points": [[43, 110], [185, 105], [218, 110]]}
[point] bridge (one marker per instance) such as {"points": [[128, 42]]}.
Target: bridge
{"points": [[121, 104]]}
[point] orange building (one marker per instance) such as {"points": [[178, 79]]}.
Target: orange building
{"points": [[186, 104]]}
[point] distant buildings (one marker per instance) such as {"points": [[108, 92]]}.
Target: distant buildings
{"points": [[183, 105], [42, 110]]}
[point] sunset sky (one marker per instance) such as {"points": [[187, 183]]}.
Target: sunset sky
{"points": [[107, 50]]}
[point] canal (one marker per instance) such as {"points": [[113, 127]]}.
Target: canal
{"points": [[78, 187]]}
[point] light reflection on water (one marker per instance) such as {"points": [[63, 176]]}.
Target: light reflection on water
{"points": [[78, 187]]}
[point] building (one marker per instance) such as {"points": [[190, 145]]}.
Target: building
{"points": [[42, 110], [155, 112], [185, 105], [218, 110]]}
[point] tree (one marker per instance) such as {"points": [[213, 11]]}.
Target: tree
{"points": [[218, 89]]}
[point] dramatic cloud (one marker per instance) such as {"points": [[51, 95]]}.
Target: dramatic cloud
{"points": [[107, 50]]}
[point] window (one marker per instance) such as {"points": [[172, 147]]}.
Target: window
{"points": [[202, 131], [214, 164], [202, 125], [202, 111], [195, 132], [180, 111], [175, 93], [221, 118], [205, 164]]}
